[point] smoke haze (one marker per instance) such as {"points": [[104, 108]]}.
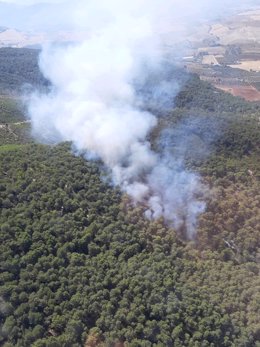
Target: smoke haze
{"points": [[95, 104]]}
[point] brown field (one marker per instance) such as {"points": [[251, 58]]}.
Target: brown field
{"points": [[249, 93]]}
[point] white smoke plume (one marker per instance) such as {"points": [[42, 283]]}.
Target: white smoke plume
{"points": [[94, 104]]}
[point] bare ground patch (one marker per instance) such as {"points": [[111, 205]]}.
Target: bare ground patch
{"points": [[249, 93]]}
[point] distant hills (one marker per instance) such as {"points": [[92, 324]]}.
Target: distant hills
{"points": [[33, 25], [36, 17], [18, 39]]}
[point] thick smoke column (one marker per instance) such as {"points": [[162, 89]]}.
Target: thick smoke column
{"points": [[93, 103]]}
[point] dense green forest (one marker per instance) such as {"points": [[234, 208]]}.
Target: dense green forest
{"points": [[14, 128], [19, 69], [80, 266]]}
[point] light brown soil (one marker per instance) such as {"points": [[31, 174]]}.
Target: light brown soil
{"points": [[253, 65], [249, 93]]}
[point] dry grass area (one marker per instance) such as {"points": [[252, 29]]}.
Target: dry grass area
{"points": [[249, 65], [249, 93], [238, 29], [210, 60]]}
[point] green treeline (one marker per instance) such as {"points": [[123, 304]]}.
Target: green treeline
{"points": [[200, 94]]}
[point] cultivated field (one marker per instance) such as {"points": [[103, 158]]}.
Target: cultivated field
{"points": [[247, 92], [229, 55]]}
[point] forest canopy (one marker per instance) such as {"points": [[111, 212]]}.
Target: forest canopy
{"points": [[81, 266]]}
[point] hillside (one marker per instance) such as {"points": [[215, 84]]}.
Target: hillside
{"points": [[81, 266], [227, 54], [19, 70]]}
